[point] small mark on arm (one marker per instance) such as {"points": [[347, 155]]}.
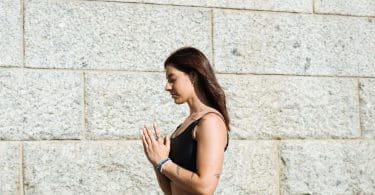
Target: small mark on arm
{"points": [[178, 170]]}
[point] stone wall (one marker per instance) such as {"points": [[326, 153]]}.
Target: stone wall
{"points": [[78, 79]]}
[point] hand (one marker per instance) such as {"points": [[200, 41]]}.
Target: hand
{"points": [[155, 147]]}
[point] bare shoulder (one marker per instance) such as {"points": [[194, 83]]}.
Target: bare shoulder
{"points": [[211, 124], [212, 118]]}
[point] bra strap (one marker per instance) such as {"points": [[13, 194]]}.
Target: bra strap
{"points": [[217, 113]]}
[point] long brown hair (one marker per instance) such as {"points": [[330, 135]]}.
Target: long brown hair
{"points": [[194, 63]]}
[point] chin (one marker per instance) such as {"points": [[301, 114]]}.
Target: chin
{"points": [[177, 101]]}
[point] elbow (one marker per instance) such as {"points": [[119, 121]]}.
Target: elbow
{"points": [[206, 192], [167, 191], [206, 189]]}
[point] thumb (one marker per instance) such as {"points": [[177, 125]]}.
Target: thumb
{"points": [[167, 141]]}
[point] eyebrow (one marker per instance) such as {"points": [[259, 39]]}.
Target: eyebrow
{"points": [[170, 75]]}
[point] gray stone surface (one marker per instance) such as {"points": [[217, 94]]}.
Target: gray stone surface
{"points": [[178, 2], [367, 103], [40, 105], [88, 168], [10, 33], [9, 168], [121, 167], [251, 167], [328, 167], [347, 7], [109, 35], [285, 43], [305, 6], [292, 107], [118, 105]]}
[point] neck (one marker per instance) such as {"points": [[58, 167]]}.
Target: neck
{"points": [[196, 105]]}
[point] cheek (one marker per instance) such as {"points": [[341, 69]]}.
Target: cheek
{"points": [[188, 89], [183, 87]]}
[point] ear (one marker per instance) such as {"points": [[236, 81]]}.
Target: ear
{"points": [[193, 77]]}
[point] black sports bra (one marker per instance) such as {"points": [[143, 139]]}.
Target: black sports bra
{"points": [[184, 148]]}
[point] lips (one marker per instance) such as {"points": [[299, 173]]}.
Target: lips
{"points": [[173, 95]]}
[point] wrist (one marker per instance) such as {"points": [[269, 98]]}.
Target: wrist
{"points": [[159, 165], [165, 166]]}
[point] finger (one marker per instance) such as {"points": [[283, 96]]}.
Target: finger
{"points": [[157, 133], [144, 145], [150, 136], [147, 137], [144, 141], [168, 141]]}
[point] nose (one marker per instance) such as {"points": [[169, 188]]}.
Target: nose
{"points": [[168, 87]]}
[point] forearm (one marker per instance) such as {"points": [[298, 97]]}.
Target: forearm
{"points": [[185, 179], [164, 183]]}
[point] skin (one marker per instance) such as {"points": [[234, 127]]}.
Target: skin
{"points": [[211, 136]]}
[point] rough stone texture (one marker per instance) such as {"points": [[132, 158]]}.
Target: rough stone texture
{"points": [[178, 2], [9, 168], [292, 107], [347, 7], [118, 105], [103, 167], [274, 5], [251, 167], [284, 43], [103, 35], [40, 105], [114, 50], [10, 33], [202, 3], [367, 103], [87, 168], [328, 167]]}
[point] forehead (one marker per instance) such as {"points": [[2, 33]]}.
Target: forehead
{"points": [[170, 70]]}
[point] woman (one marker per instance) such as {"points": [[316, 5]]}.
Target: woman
{"points": [[190, 162]]}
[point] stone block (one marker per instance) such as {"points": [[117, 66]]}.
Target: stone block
{"points": [[328, 167], [292, 107], [119, 105], [251, 167], [305, 6], [110, 35], [10, 33], [347, 7], [40, 105], [10, 168], [179, 2], [287, 43], [88, 168], [367, 103]]}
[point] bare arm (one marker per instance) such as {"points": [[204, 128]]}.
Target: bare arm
{"points": [[164, 183], [211, 140]]}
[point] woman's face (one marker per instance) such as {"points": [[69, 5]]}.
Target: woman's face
{"points": [[178, 85]]}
